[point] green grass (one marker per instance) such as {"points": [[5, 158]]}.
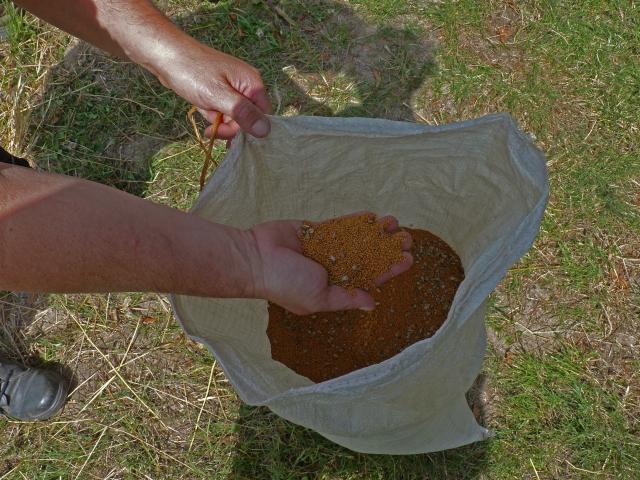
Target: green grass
{"points": [[383, 9], [555, 408], [562, 392], [18, 26]]}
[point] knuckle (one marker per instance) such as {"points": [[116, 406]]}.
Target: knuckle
{"points": [[243, 111], [255, 73]]}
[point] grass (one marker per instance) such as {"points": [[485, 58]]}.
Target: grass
{"points": [[556, 404], [560, 387]]}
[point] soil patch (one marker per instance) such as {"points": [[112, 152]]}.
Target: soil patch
{"points": [[410, 307]]}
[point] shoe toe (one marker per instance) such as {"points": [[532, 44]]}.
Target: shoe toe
{"points": [[44, 394]]}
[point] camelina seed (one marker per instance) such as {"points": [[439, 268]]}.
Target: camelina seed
{"points": [[409, 308], [355, 250]]}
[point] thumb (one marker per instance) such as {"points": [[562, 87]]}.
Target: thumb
{"points": [[339, 298], [248, 116]]}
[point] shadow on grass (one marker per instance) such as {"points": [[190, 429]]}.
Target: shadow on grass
{"points": [[104, 119], [272, 448]]}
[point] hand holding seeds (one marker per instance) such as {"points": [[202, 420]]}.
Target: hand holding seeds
{"points": [[286, 274]]}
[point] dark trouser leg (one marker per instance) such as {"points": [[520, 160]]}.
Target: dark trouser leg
{"points": [[6, 157]]}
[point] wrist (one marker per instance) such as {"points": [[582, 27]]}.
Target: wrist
{"points": [[254, 264], [212, 260], [167, 59]]}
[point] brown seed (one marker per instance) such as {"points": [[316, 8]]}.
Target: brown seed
{"points": [[367, 250]]}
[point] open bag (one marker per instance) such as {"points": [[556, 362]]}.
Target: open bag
{"points": [[480, 185]]}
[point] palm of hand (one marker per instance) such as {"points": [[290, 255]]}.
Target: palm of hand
{"points": [[289, 278], [294, 281]]}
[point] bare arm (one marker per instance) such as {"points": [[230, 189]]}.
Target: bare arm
{"points": [[93, 21], [211, 80], [62, 234]]}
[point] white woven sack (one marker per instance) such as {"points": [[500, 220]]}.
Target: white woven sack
{"points": [[480, 185]]}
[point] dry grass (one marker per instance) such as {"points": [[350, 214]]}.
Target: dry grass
{"points": [[561, 386], [35, 46]]}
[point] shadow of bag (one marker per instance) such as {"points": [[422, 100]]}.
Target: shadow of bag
{"points": [[480, 185]]}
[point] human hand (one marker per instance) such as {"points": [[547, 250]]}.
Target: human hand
{"points": [[286, 277], [216, 82]]}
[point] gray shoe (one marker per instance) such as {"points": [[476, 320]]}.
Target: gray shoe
{"points": [[30, 393]]}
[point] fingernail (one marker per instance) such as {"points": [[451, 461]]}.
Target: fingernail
{"points": [[261, 128], [367, 309]]}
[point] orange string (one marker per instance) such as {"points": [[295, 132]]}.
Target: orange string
{"points": [[207, 148]]}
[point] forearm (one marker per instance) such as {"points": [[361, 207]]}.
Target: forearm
{"points": [[132, 29], [61, 234], [205, 77]]}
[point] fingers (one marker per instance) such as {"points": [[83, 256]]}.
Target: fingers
{"points": [[407, 240], [241, 111], [339, 298], [259, 96], [226, 131], [396, 269], [248, 115], [210, 115], [389, 223], [245, 117], [291, 229]]}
